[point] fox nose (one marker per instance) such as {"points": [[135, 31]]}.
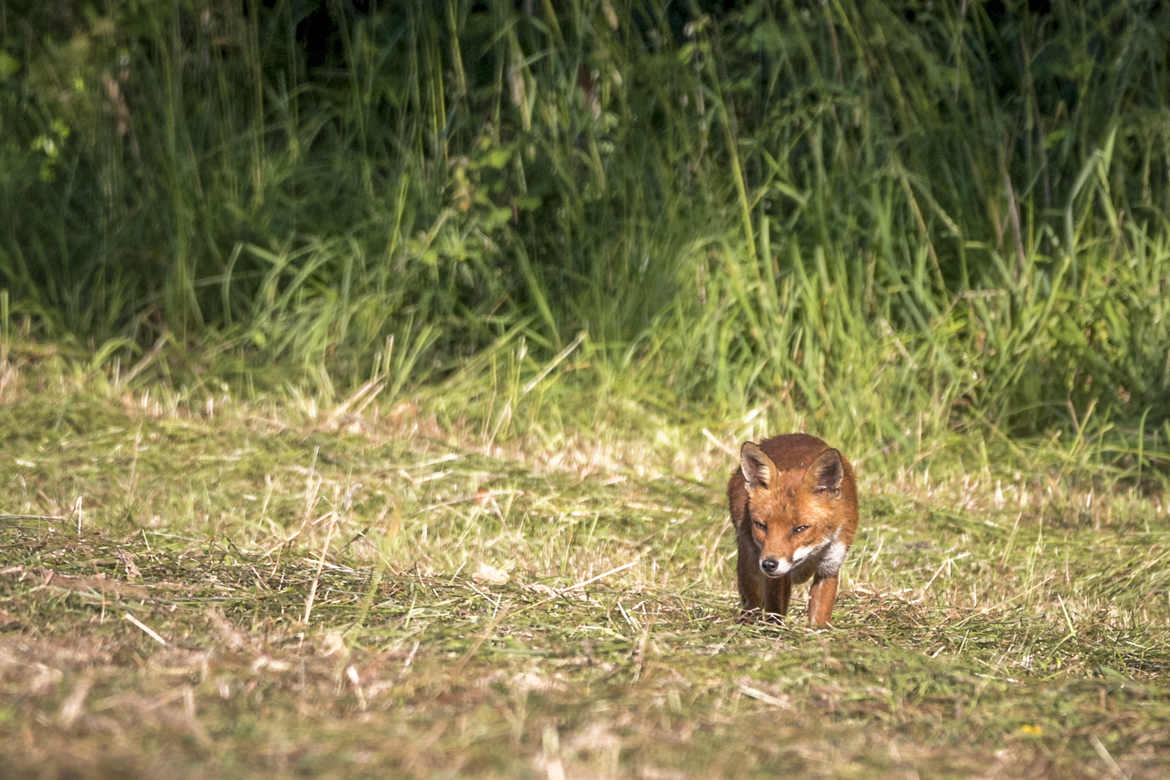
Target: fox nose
{"points": [[769, 566]]}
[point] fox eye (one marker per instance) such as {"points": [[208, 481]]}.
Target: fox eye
{"points": [[761, 526], [799, 529]]}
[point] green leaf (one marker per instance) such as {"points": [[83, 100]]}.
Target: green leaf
{"points": [[9, 65]]}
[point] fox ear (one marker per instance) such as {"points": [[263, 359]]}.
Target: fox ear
{"points": [[826, 473], [756, 467]]}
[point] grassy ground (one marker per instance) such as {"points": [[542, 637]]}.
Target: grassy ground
{"points": [[195, 586]]}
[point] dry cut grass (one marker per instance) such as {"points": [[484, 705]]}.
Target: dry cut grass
{"points": [[206, 588]]}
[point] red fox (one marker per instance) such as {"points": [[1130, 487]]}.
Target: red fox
{"points": [[793, 502]]}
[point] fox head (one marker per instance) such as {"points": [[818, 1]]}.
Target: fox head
{"points": [[795, 515]]}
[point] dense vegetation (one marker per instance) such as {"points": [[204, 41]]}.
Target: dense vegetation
{"points": [[893, 217]]}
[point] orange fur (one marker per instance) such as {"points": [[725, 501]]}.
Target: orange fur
{"points": [[793, 502]]}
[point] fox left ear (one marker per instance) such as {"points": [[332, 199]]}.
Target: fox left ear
{"points": [[826, 473], [755, 465]]}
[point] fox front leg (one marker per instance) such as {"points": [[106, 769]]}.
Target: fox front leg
{"points": [[776, 593], [821, 597]]}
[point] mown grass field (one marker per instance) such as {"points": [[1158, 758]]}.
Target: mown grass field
{"points": [[203, 586]]}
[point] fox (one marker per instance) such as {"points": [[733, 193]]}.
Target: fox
{"points": [[793, 502]]}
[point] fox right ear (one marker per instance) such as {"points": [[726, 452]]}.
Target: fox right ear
{"points": [[826, 473], [756, 467]]}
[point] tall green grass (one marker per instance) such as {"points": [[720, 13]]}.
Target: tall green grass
{"points": [[891, 223]]}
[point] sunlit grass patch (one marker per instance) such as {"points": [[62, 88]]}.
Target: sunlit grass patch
{"points": [[257, 591]]}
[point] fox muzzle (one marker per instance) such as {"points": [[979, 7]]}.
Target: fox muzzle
{"points": [[774, 567]]}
